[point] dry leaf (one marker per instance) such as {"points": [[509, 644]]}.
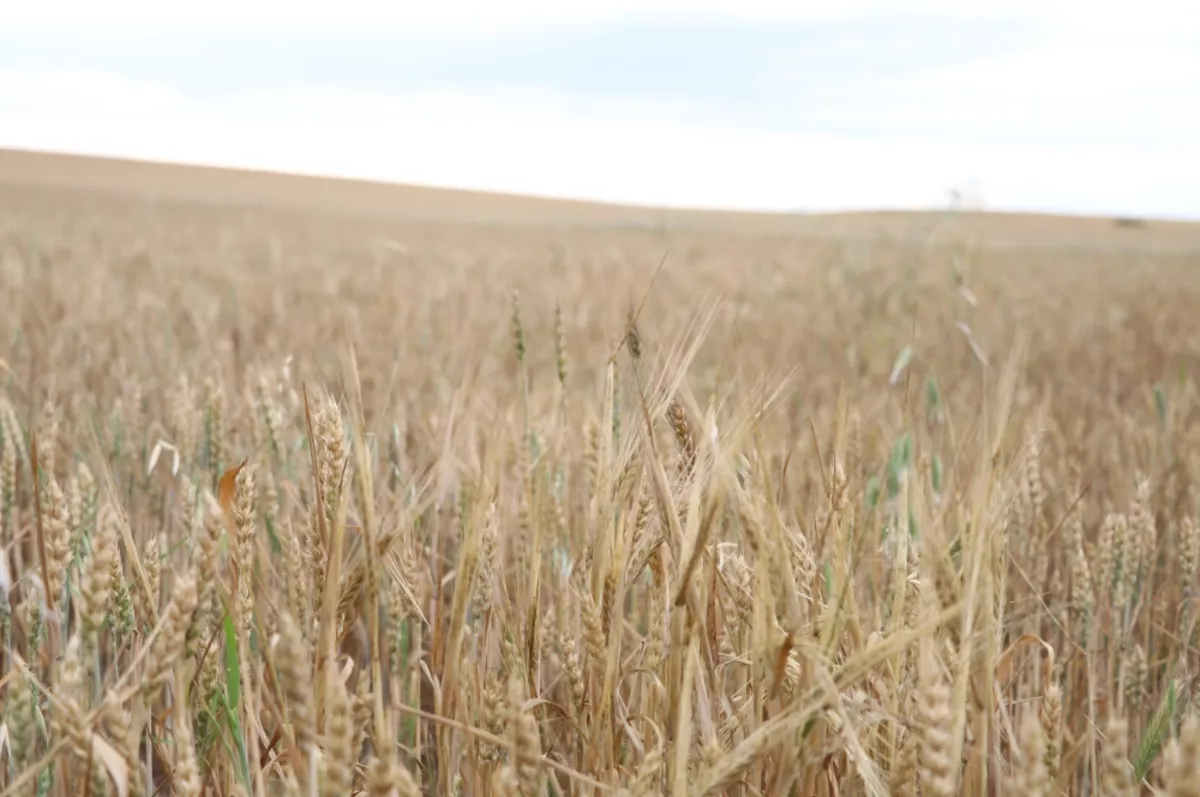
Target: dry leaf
{"points": [[226, 490], [113, 762], [1004, 667], [159, 447], [227, 486]]}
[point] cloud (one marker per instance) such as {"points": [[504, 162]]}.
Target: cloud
{"points": [[1064, 94], [452, 15], [755, 104]]}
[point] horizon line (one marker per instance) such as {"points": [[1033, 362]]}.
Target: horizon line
{"points": [[700, 210]]}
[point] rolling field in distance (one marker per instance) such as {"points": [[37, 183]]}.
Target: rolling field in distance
{"points": [[316, 487]]}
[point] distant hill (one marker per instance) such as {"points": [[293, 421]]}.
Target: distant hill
{"points": [[238, 187]]}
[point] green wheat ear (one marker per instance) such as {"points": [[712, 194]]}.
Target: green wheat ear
{"points": [[517, 329], [898, 464], [871, 494], [1160, 403], [560, 346], [933, 401], [1156, 733]]}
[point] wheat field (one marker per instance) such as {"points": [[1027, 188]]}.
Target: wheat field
{"points": [[321, 488]]}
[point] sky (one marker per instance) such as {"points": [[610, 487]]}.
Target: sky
{"points": [[1068, 106]]}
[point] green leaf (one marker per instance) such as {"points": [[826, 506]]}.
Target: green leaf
{"points": [[238, 754], [233, 695], [1160, 403], [233, 667], [936, 472]]}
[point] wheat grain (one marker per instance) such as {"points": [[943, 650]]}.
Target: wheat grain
{"points": [[338, 740], [1031, 777], [1181, 761], [170, 643], [1116, 776]]}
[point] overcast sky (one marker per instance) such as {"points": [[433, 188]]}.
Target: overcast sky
{"points": [[1065, 106]]}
